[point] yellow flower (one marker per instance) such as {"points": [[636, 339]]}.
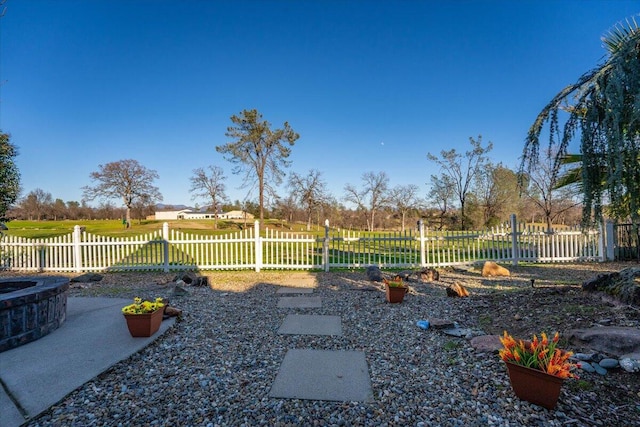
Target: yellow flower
{"points": [[141, 307]]}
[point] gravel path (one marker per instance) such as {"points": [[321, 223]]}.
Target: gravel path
{"points": [[216, 366]]}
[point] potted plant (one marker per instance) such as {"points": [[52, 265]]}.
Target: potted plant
{"points": [[143, 317], [537, 368], [395, 289]]}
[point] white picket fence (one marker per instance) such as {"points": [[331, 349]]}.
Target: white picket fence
{"points": [[168, 250]]}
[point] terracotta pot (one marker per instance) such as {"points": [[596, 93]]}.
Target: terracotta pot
{"points": [[534, 386], [395, 293], [144, 325]]}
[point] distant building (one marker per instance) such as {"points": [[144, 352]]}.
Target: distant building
{"points": [[235, 215], [172, 215]]}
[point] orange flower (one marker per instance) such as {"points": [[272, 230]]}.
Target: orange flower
{"points": [[545, 340], [540, 354]]}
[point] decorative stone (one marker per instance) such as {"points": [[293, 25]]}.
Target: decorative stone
{"points": [[179, 291], [490, 269], [457, 290], [437, 323], [585, 366], [599, 369], [584, 357], [612, 340], [87, 277], [609, 363], [486, 343], [458, 332], [423, 324], [373, 273], [429, 275], [630, 365]]}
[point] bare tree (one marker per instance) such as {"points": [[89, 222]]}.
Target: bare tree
{"points": [[462, 169], [310, 191], [495, 192], [372, 196], [258, 151], [441, 195], [543, 189], [124, 179], [36, 204], [404, 199], [209, 186]]}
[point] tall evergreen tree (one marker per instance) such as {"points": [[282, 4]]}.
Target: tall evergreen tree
{"points": [[9, 175], [258, 151]]}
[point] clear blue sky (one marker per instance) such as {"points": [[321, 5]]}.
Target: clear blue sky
{"points": [[368, 85]]}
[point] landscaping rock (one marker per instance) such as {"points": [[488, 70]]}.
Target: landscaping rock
{"points": [[623, 285], [609, 363], [437, 323], [373, 273], [486, 343], [457, 290], [490, 269], [613, 340], [87, 277], [630, 365], [599, 369], [429, 275]]}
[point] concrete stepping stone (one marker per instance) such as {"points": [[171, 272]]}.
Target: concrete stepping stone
{"points": [[289, 290], [300, 302], [304, 324], [323, 375]]}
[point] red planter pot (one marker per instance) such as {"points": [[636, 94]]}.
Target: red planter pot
{"points": [[534, 386], [144, 325], [395, 293]]}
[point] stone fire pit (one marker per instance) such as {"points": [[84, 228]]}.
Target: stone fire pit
{"points": [[30, 308]]}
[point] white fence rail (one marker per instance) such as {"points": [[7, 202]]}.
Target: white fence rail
{"points": [[168, 250]]}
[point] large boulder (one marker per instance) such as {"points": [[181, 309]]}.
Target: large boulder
{"points": [[623, 285], [613, 340]]}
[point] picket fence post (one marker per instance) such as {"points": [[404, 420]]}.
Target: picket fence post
{"points": [[609, 234], [77, 252], [258, 246], [165, 245], [423, 254], [325, 246], [514, 239]]}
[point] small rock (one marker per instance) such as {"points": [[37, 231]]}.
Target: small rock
{"points": [[441, 323], [587, 367], [458, 332], [457, 290], [87, 277], [373, 273], [584, 357], [429, 275], [422, 324], [609, 363], [179, 291], [630, 365], [172, 311], [599, 369]]}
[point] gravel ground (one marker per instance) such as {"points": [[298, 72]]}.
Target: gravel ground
{"points": [[216, 366]]}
